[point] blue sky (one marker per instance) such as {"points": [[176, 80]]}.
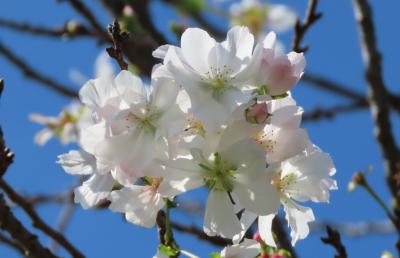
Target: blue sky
{"points": [[334, 52]]}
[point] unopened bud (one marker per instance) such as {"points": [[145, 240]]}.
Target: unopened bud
{"points": [[72, 26], [127, 11], [277, 256], [257, 237], [264, 255], [359, 178], [257, 113]]}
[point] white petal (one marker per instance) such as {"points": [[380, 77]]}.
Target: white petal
{"points": [[97, 188], [91, 136], [77, 162], [144, 218], [126, 199], [257, 196], [133, 151], [43, 136], [130, 87], [161, 51], [269, 41], [287, 142], [240, 42], [103, 66], [249, 248], [196, 45], [183, 174], [220, 218], [246, 220], [164, 92], [313, 180], [298, 63], [43, 120], [95, 93], [298, 218], [265, 229]]}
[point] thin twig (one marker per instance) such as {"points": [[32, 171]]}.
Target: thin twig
{"points": [[195, 231], [334, 240], [33, 74], [12, 244], [81, 8], [70, 29], [28, 241], [38, 222], [343, 90], [356, 229], [329, 113], [301, 28]]}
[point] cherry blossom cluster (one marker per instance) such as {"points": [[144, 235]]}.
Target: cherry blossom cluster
{"points": [[216, 115]]}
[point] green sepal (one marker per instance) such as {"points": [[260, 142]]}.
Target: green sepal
{"points": [[168, 251], [284, 95], [215, 255]]}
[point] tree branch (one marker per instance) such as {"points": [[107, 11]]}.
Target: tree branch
{"points": [[38, 222], [118, 39], [329, 113], [345, 90], [195, 231], [70, 29], [300, 28], [25, 239], [12, 244], [334, 240], [378, 96], [81, 8], [31, 73], [6, 155]]}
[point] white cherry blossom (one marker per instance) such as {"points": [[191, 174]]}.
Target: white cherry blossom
{"points": [[261, 16], [212, 73], [231, 165], [305, 177]]}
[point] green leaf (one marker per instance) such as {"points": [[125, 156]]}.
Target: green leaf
{"points": [[168, 251]]}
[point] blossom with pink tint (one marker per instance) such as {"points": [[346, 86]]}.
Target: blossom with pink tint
{"points": [[257, 113]]}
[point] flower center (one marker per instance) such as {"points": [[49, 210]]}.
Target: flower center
{"points": [[218, 80], [195, 127], [146, 120], [280, 183], [265, 140], [219, 174]]}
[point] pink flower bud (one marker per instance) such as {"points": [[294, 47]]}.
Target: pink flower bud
{"points": [[257, 113], [257, 237], [264, 255], [277, 256]]}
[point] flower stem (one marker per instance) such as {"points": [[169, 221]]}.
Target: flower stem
{"points": [[364, 183], [168, 245]]}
